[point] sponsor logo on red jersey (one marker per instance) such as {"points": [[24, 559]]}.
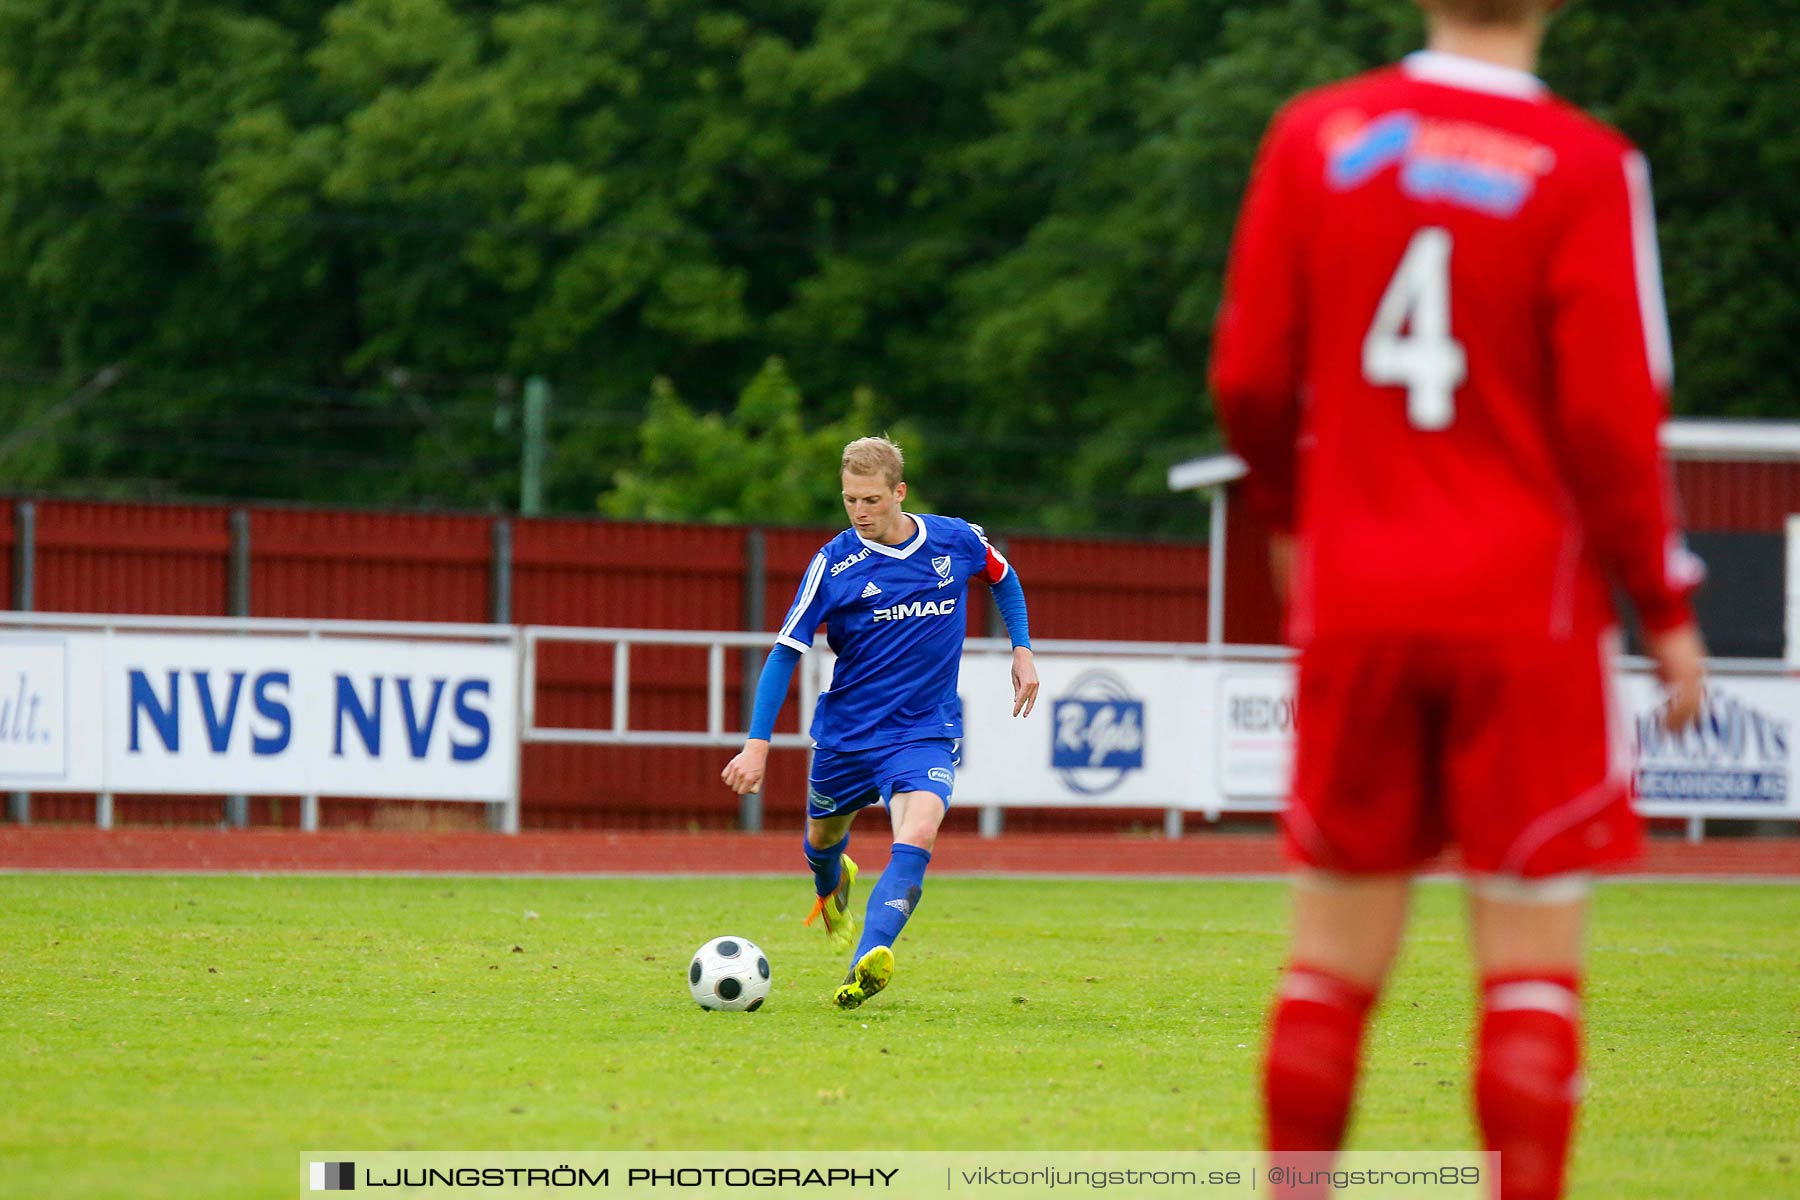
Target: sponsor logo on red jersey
{"points": [[1457, 162]]}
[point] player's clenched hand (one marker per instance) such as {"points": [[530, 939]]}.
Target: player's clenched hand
{"points": [[1025, 681], [1680, 656], [744, 774]]}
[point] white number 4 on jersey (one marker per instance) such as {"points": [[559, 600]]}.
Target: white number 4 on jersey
{"points": [[1409, 344]]}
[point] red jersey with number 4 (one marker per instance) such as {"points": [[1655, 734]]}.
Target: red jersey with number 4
{"points": [[1443, 353]]}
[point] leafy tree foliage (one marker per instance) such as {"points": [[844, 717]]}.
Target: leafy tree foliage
{"points": [[308, 250], [758, 461]]}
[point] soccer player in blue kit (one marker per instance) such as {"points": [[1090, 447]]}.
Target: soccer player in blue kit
{"points": [[890, 591]]}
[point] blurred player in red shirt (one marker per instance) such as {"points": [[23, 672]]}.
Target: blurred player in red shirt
{"points": [[1443, 353]]}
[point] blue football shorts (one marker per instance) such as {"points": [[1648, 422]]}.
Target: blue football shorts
{"points": [[847, 781]]}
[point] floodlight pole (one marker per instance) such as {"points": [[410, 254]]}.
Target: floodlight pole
{"points": [[1215, 570], [24, 586], [756, 576], [237, 602], [1214, 473], [531, 457], [502, 817]]}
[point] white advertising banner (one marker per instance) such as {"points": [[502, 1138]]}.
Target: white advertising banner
{"points": [[220, 713], [1107, 732], [1216, 736], [1128, 732], [260, 714], [1252, 731], [45, 742], [1737, 761]]}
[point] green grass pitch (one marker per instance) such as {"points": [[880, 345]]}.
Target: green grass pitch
{"points": [[182, 1036]]}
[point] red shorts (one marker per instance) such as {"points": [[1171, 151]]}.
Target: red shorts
{"points": [[1511, 749]]}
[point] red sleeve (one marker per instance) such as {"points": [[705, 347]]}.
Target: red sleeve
{"points": [[1255, 366], [993, 563], [1610, 345]]}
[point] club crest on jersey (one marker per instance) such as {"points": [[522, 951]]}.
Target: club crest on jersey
{"points": [[1454, 162], [918, 608], [941, 564]]}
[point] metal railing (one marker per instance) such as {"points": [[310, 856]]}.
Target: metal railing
{"points": [[620, 732]]}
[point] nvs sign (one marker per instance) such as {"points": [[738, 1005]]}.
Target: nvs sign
{"points": [[267, 716]]}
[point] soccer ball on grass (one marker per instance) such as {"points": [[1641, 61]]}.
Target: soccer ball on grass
{"points": [[729, 974]]}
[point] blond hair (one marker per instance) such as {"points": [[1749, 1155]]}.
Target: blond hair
{"points": [[874, 456], [1489, 12]]}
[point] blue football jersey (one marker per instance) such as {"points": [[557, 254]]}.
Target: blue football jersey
{"points": [[895, 617]]}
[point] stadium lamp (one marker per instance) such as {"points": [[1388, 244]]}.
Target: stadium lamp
{"points": [[1214, 472]]}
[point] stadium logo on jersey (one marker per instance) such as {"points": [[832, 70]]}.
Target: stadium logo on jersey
{"points": [[918, 608], [1097, 734], [941, 564], [1735, 754], [1453, 162], [838, 568], [869, 589]]}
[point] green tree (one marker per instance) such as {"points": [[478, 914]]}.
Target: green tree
{"points": [[304, 249], [1130, 130], [1706, 90], [757, 463]]}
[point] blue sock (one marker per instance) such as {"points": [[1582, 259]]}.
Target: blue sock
{"points": [[895, 897], [827, 865]]}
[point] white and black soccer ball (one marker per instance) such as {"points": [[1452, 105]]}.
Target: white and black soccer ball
{"points": [[730, 974]]}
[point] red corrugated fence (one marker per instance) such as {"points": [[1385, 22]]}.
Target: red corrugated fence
{"points": [[331, 564], [99, 557]]}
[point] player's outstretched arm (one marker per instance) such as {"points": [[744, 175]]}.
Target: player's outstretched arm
{"points": [[744, 773], [1024, 681], [1009, 598]]}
